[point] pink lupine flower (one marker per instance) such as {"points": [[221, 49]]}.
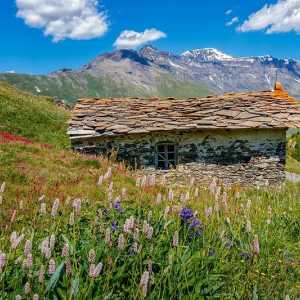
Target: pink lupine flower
{"points": [[35, 297], [121, 242], [52, 242], [45, 248], [55, 208], [65, 250], [27, 247], [28, 262], [208, 212], [2, 188], [92, 256], [175, 239], [51, 267], [2, 261], [95, 270], [13, 216], [68, 268], [255, 245], [144, 283], [77, 206], [15, 240], [43, 208], [18, 297], [41, 274], [108, 236], [72, 219], [27, 288], [158, 198], [129, 224]]}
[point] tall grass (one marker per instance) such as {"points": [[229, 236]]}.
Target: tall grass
{"points": [[113, 236]]}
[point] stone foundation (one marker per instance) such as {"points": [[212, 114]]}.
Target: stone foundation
{"points": [[248, 157]]}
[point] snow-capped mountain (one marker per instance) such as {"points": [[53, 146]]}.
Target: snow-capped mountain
{"points": [[151, 72], [206, 54]]}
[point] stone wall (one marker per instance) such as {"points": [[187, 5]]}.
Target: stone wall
{"points": [[235, 156]]}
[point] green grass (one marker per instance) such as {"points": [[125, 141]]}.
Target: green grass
{"points": [[36, 118], [206, 266]]}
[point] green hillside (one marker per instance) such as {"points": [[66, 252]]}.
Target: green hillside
{"points": [[36, 118], [71, 86]]}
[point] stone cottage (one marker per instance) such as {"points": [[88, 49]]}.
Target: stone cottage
{"points": [[236, 137]]}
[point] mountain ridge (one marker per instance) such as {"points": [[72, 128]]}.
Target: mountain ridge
{"points": [[149, 72]]}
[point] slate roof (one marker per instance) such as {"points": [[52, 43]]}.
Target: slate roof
{"points": [[116, 117]]}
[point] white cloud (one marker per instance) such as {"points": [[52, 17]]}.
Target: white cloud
{"points": [[228, 12], [64, 19], [232, 21], [130, 39], [284, 16]]}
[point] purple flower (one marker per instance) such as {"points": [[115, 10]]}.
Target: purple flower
{"points": [[196, 223], [186, 214], [114, 225], [117, 206]]}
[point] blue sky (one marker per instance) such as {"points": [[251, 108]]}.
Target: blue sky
{"points": [[186, 25]]}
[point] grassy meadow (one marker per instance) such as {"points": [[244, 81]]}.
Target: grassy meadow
{"points": [[82, 227]]}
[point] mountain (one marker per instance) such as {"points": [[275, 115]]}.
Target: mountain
{"points": [[150, 72]]}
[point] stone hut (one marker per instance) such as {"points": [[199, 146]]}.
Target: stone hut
{"points": [[236, 137]]}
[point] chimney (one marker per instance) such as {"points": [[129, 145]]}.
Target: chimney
{"points": [[281, 93]]}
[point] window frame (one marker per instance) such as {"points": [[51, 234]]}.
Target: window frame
{"points": [[162, 160]]}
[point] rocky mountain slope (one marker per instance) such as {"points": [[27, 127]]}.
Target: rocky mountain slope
{"points": [[150, 72]]}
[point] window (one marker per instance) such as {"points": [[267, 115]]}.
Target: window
{"points": [[165, 156]]}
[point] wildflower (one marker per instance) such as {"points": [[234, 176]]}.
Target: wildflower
{"points": [[13, 216], [41, 274], [52, 267], [65, 250], [149, 232], [2, 188], [170, 195], [100, 180], [248, 226], [114, 226], [27, 288], [117, 205], [15, 240], [71, 219], [121, 242], [108, 236], [144, 282], [95, 270], [255, 245], [43, 208], [55, 208], [92, 256], [18, 297], [45, 248], [195, 223], [175, 239], [35, 297], [28, 262], [27, 247], [68, 268], [52, 242], [129, 224], [158, 198], [186, 214], [2, 261], [167, 211], [77, 206]]}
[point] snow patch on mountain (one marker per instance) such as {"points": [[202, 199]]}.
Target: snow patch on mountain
{"points": [[207, 54]]}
